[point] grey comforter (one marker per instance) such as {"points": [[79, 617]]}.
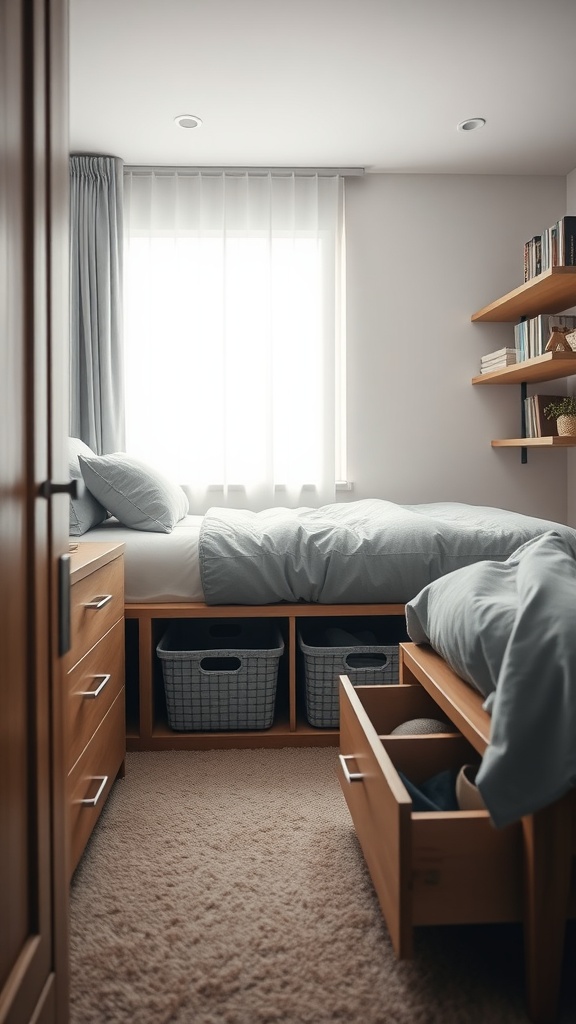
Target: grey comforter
{"points": [[358, 552]]}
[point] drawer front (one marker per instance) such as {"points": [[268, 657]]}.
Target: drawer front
{"points": [[440, 867], [101, 760], [104, 587], [94, 683], [380, 808]]}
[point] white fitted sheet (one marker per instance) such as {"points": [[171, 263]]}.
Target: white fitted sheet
{"points": [[158, 567]]}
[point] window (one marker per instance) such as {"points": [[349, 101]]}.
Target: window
{"points": [[234, 347]]}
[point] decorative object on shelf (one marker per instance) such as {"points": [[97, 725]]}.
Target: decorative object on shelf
{"points": [[564, 412], [557, 341], [571, 339]]}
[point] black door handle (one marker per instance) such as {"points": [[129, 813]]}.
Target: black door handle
{"points": [[75, 488]]}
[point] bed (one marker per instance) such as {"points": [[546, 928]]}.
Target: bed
{"points": [[478, 585], [368, 557], [360, 552]]}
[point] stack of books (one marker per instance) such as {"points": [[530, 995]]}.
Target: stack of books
{"points": [[531, 336], [555, 247], [537, 423], [496, 360]]}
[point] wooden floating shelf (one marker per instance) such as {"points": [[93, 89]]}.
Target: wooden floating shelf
{"points": [[550, 366], [536, 442], [550, 292]]}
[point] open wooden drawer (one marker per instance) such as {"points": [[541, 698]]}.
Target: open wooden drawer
{"points": [[428, 868]]}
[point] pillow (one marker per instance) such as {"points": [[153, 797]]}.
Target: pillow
{"points": [[85, 511], [138, 495], [468, 616]]}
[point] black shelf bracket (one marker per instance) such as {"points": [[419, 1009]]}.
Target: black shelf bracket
{"points": [[523, 393]]}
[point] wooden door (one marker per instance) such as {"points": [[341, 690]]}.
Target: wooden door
{"points": [[33, 530]]}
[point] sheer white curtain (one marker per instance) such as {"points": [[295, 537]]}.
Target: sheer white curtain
{"points": [[232, 332]]}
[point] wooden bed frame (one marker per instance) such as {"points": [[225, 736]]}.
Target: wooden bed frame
{"points": [[147, 727]]}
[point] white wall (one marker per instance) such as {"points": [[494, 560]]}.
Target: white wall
{"points": [[423, 253]]}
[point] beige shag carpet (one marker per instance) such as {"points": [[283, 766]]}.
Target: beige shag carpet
{"points": [[228, 887]]}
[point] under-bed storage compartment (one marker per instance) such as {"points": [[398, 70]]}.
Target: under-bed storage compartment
{"points": [[428, 867], [220, 673], [364, 649]]}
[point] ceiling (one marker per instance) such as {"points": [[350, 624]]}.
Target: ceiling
{"points": [[378, 84]]}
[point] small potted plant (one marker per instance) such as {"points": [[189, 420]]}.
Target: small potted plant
{"points": [[564, 412]]}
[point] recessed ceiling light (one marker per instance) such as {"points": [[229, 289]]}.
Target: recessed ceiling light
{"points": [[188, 121], [471, 124]]}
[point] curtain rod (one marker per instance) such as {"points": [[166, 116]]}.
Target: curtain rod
{"points": [[322, 172]]}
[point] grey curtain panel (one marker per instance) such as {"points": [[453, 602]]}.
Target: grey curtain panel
{"points": [[96, 356]]}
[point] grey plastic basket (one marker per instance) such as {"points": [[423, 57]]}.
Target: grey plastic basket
{"points": [[220, 674], [323, 665]]}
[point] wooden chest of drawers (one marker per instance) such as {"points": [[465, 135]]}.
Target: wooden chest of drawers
{"points": [[95, 677]]}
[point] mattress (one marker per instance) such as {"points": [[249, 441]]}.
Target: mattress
{"points": [[158, 567]]}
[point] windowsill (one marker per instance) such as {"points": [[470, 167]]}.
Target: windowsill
{"points": [[341, 485]]}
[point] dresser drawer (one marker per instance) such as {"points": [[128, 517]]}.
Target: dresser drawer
{"points": [[93, 775], [97, 602], [94, 683], [427, 868]]}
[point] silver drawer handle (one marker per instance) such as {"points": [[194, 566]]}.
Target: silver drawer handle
{"points": [[98, 690], [92, 801], [349, 776], [99, 602]]}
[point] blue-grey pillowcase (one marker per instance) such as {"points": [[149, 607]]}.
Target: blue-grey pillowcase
{"points": [[139, 495], [468, 616], [85, 510]]}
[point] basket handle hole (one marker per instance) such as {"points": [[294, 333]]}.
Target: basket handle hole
{"points": [[220, 664], [365, 661]]}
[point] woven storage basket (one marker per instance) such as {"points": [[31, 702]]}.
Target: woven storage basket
{"points": [[324, 664], [220, 674]]}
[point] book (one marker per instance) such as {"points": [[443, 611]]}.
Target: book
{"points": [[529, 428], [521, 340], [499, 352], [501, 360], [566, 241], [541, 426], [533, 257], [555, 247], [490, 367], [496, 360]]}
